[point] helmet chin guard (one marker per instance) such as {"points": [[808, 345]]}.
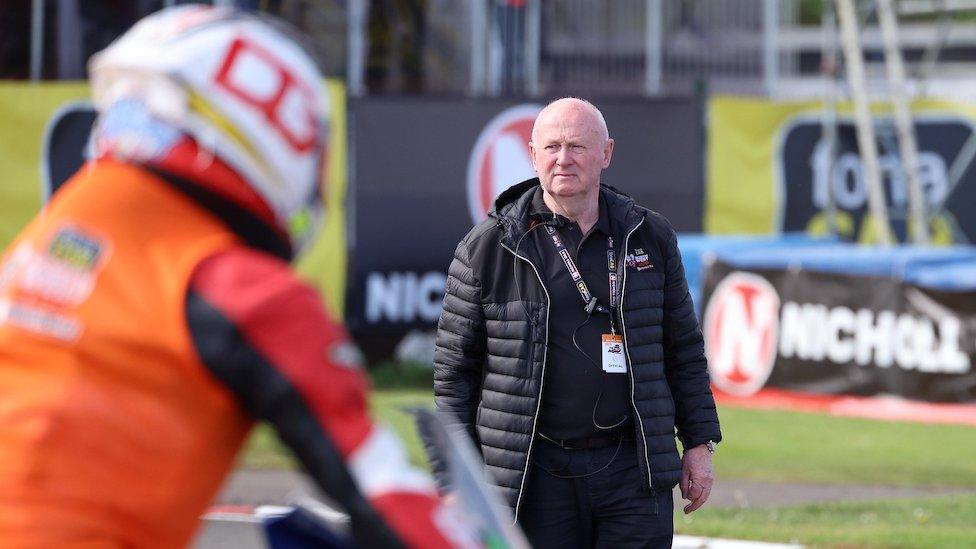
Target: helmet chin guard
{"points": [[238, 84]]}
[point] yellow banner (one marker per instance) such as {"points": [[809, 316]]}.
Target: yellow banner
{"points": [[770, 170], [324, 262], [27, 109]]}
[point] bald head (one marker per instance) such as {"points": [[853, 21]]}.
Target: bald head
{"points": [[570, 147], [578, 109]]}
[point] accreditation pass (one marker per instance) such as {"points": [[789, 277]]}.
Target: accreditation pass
{"points": [[614, 361]]}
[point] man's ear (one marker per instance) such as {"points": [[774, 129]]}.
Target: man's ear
{"points": [[607, 153], [532, 156]]}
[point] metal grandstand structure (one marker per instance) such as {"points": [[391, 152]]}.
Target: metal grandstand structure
{"points": [[619, 48]]}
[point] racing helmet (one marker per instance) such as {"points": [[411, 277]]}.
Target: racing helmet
{"points": [[240, 85]]}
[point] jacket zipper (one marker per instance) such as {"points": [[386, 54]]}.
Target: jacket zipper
{"points": [[542, 380], [630, 364]]}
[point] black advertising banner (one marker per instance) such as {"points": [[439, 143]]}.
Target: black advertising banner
{"points": [[837, 334], [945, 169], [424, 171]]}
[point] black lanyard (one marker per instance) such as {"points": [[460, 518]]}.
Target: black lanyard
{"points": [[591, 303]]}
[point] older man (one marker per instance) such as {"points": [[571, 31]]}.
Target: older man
{"points": [[569, 349]]}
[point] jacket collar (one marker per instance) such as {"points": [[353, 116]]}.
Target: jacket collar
{"points": [[513, 208]]}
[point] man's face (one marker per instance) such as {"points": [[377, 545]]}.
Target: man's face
{"points": [[568, 150]]}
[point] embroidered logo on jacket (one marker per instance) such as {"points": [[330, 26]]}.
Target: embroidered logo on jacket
{"points": [[638, 260]]}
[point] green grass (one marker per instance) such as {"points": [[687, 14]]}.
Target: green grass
{"points": [[798, 447], [775, 446], [265, 451], [393, 375], [760, 445], [945, 522]]}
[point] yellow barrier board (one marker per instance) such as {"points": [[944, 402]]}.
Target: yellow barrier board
{"points": [[27, 110], [324, 262], [769, 169]]}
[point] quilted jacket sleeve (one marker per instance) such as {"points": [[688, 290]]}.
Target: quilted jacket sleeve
{"points": [[684, 355], [459, 355]]}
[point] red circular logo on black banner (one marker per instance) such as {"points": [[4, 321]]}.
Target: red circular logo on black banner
{"points": [[500, 157], [741, 333]]}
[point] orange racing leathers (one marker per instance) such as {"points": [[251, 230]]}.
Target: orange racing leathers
{"points": [[140, 337]]}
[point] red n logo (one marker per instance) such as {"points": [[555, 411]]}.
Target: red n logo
{"points": [[741, 332]]}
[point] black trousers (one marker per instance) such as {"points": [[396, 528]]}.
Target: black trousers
{"points": [[607, 504]]}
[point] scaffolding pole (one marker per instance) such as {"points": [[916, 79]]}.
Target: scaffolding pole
{"points": [[828, 127], [478, 82], [357, 46], [770, 46], [533, 47], [653, 47], [918, 227], [37, 40], [866, 141]]}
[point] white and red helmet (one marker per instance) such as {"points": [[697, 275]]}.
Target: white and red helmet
{"points": [[236, 83]]}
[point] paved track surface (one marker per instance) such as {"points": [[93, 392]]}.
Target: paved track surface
{"points": [[247, 488]]}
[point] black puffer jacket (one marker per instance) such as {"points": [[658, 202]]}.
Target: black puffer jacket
{"points": [[489, 365]]}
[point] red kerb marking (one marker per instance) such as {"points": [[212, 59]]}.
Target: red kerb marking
{"points": [[883, 408]]}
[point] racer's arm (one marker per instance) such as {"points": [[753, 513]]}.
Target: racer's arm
{"points": [[265, 336]]}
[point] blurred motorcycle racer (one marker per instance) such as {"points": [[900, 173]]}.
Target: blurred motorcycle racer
{"points": [[149, 316]]}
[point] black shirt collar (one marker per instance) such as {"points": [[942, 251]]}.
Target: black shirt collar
{"points": [[539, 210]]}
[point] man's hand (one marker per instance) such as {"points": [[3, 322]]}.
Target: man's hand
{"points": [[696, 477]]}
